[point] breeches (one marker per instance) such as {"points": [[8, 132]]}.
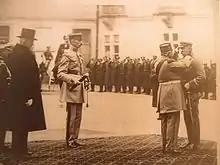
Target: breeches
{"points": [[74, 117], [169, 130]]}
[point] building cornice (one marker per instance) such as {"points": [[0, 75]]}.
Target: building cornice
{"points": [[48, 19]]}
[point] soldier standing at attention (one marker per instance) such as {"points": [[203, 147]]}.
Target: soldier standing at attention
{"points": [[70, 71]]}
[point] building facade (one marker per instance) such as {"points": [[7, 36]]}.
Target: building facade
{"points": [[51, 20], [133, 30], [139, 33]]}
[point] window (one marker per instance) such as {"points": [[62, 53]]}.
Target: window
{"points": [[116, 50], [107, 38], [166, 36], [4, 34], [175, 36], [116, 38], [107, 48]]}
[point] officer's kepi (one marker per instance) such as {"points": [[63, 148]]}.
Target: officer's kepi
{"points": [[75, 36], [185, 44], [165, 47]]}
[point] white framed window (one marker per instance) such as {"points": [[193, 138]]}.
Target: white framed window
{"points": [[116, 38], [107, 38], [166, 37], [116, 49], [175, 36]]}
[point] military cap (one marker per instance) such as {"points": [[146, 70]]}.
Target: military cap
{"points": [[185, 44], [76, 36], [165, 47], [117, 56]]}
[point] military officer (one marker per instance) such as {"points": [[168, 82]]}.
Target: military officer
{"points": [[195, 76], [171, 98], [70, 71]]}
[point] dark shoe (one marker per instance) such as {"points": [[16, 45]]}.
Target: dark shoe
{"points": [[22, 154], [78, 144], [187, 145], [195, 147], [4, 149]]}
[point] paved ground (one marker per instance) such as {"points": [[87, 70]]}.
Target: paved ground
{"points": [[127, 150], [119, 115], [111, 114]]}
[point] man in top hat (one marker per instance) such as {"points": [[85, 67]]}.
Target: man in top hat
{"points": [[26, 111], [70, 71], [171, 99], [194, 78]]}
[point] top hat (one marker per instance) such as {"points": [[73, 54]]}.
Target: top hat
{"points": [[165, 47], [76, 36], [27, 34], [185, 44]]}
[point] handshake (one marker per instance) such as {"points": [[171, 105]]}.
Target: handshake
{"points": [[74, 84]]}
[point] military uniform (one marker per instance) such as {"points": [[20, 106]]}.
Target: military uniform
{"points": [[129, 66], [213, 81], [146, 77], [171, 99], [100, 74], [194, 77], [92, 73], [138, 75], [118, 78], [5, 77], [70, 71]]}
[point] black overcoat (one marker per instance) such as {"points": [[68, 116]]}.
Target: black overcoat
{"points": [[25, 84]]}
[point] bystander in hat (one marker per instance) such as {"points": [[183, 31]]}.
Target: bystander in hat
{"points": [[185, 44], [27, 34], [165, 47]]}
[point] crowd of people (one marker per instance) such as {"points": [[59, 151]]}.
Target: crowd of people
{"points": [[134, 75], [176, 83]]}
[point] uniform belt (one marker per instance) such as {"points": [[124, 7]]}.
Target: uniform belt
{"points": [[74, 72], [171, 82]]}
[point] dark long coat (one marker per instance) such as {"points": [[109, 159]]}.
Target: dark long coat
{"points": [[99, 73], [5, 77], [25, 84], [92, 72]]}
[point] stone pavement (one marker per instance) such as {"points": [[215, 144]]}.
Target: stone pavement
{"points": [[122, 150]]}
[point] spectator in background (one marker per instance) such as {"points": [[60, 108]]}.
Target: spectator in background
{"points": [[206, 85], [60, 52]]}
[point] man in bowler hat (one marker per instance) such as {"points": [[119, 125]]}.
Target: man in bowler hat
{"points": [[26, 111], [194, 78], [70, 70]]}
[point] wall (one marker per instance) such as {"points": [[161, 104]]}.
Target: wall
{"points": [[141, 35], [48, 33]]}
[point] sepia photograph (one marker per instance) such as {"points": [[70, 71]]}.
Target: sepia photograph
{"points": [[118, 83]]}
